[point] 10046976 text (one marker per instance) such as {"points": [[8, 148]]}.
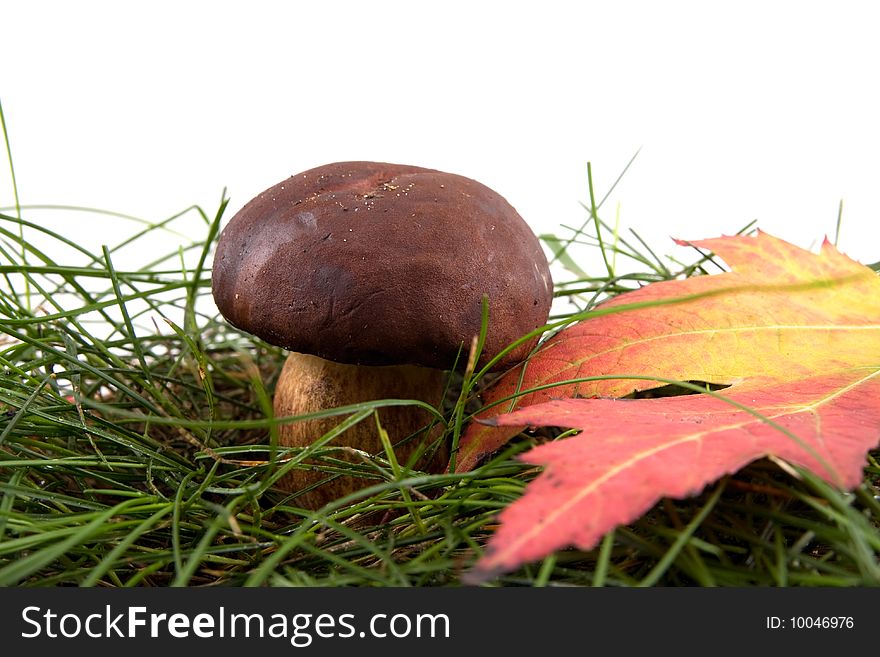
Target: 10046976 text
{"points": [[809, 622]]}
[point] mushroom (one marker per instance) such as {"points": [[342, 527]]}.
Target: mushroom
{"points": [[373, 276]]}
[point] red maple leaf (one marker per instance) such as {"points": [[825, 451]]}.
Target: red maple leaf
{"points": [[795, 335]]}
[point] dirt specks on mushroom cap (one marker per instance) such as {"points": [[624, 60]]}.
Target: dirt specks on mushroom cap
{"points": [[373, 263]]}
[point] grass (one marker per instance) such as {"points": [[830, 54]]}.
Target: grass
{"points": [[137, 446]]}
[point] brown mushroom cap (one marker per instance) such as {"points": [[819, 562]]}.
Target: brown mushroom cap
{"points": [[377, 264]]}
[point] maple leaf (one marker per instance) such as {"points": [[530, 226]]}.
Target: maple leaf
{"points": [[795, 335]]}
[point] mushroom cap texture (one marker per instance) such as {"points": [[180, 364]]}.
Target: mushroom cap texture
{"points": [[379, 264]]}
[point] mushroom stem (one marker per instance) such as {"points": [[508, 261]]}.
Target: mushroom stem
{"points": [[308, 384]]}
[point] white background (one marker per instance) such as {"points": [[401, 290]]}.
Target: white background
{"points": [[742, 110]]}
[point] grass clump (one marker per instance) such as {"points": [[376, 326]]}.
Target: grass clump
{"points": [[138, 447]]}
